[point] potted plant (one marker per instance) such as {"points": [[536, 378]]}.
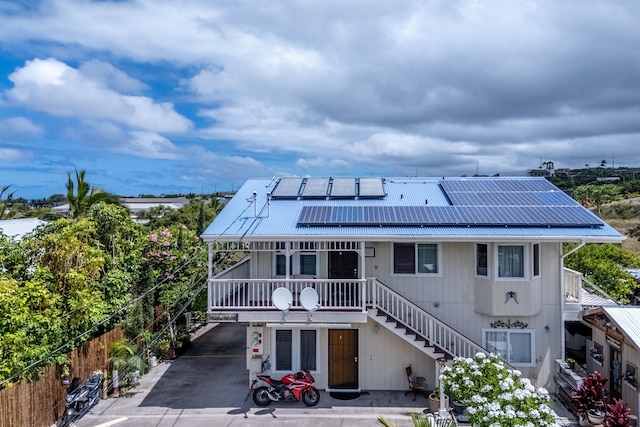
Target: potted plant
{"points": [[590, 396], [125, 360], [434, 401], [571, 362], [617, 414]]}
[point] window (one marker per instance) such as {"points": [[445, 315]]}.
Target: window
{"points": [[536, 260], [281, 265], [516, 347], [296, 349], [630, 375], [284, 343], [406, 256], [308, 349], [300, 263], [482, 258], [511, 261], [428, 258], [308, 264]]}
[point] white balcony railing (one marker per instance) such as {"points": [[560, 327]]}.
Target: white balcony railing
{"points": [[240, 294]]}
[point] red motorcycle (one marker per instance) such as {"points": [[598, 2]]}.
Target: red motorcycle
{"points": [[295, 387]]}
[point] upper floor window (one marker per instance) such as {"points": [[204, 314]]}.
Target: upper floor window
{"points": [[511, 261], [482, 259], [536, 259], [300, 263], [412, 258]]}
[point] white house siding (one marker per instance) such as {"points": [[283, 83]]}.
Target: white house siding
{"points": [[452, 296], [382, 359]]}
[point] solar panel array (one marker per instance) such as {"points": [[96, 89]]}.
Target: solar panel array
{"points": [[316, 188], [504, 192], [518, 216]]}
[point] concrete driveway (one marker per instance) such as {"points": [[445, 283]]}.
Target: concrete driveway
{"points": [[208, 385]]}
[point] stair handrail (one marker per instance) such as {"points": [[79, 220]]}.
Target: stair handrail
{"points": [[436, 332]]}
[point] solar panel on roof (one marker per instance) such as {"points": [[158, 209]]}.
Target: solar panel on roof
{"points": [[343, 187], [287, 188], [371, 187], [522, 216], [504, 192], [315, 187]]}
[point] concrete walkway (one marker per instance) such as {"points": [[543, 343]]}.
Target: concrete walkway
{"points": [[208, 386]]}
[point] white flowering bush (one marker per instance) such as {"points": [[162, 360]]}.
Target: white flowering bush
{"points": [[495, 395]]}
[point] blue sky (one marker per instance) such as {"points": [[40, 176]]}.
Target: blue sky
{"points": [[163, 97]]}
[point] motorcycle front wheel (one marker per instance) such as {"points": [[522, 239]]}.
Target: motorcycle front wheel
{"points": [[261, 396], [311, 396], [66, 419]]}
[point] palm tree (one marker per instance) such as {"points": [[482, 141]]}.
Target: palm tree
{"points": [[6, 202], [84, 196]]}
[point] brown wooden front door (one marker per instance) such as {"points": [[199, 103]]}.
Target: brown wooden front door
{"points": [[343, 359]]}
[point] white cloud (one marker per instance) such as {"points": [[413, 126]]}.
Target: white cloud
{"points": [[151, 145], [11, 154], [54, 87], [18, 127]]}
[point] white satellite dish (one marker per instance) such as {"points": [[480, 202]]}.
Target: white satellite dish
{"points": [[282, 299], [309, 299]]}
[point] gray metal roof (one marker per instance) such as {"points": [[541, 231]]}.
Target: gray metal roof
{"points": [[261, 219], [16, 228], [627, 319]]}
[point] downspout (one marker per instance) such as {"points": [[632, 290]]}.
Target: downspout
{"points": [[562, 290], [209, 274]]}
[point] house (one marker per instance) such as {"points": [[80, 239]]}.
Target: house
{"points": [[610, 334], [358, 278]]}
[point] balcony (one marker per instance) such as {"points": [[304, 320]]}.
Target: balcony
{"points": [[251, 299]]}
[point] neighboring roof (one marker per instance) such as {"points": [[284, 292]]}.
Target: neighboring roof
{"points": [[627, 319], [522, 208], [588, 299], [137, 204], [16, 228]]}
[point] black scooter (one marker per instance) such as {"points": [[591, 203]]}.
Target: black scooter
{"points": [[81, 397]]}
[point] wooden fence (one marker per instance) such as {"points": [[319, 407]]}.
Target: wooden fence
{"points": [[40, 403]]}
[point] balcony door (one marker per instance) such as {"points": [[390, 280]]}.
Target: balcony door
{"points": [[344, 293], [343, 265]]}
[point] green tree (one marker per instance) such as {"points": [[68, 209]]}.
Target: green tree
{"points": [[596, 195], [81, 196], [30, 322], [6, 202], [605, 265]]}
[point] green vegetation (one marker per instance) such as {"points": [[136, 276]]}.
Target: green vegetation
{"points": [[605, 265], [81, 196], [74, 278]]}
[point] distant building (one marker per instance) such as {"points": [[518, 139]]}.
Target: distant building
{"points": [[138, 204], [16, 228]]}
